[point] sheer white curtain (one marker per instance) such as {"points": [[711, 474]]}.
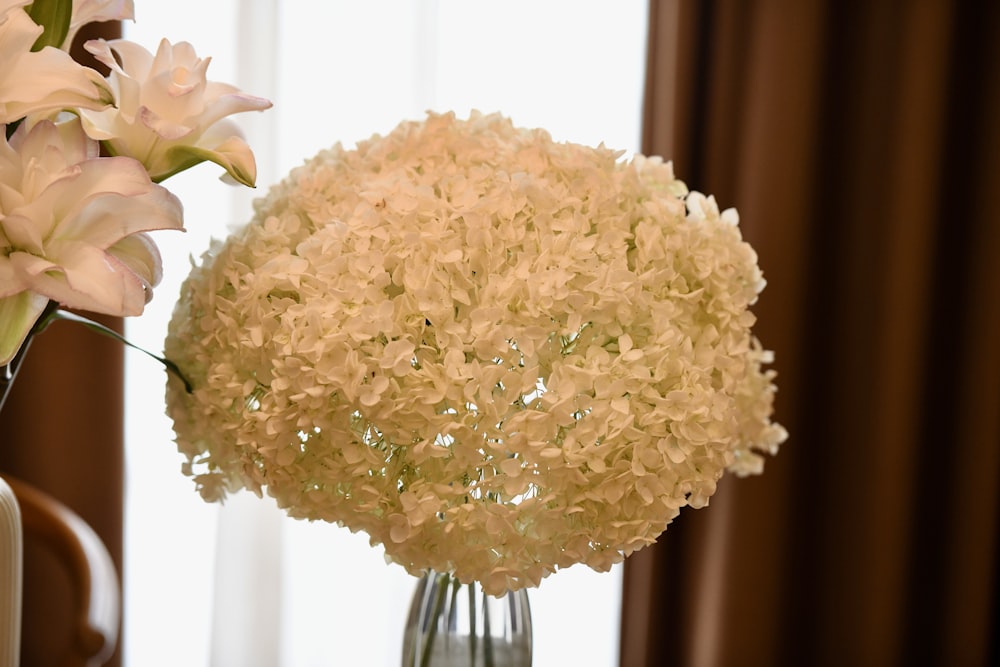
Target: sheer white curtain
{"points": [[243, 585]]}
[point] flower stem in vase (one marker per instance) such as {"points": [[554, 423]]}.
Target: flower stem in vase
{"points": [[451, 627], [487, 639], [473, 638], [442, 590]]}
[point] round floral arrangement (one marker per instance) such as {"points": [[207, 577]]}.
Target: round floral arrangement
{"points": [[496, 354]]}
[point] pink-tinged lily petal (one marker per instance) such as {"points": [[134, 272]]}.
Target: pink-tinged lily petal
{"points": [[11, 281], [139, 59], [86, 278], [7, 5], [169, 115], [41, 81], [58, 182], [18, 313], [162, 127], [50, 147], [96, 11], [75, 235], [233, 155], [228, 101], [70, 201], [178, 81], [109, 217], [139, 253], [25, 233], [18, 33]]}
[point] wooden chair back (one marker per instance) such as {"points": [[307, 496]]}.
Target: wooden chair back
{"points": [[97, 591]]}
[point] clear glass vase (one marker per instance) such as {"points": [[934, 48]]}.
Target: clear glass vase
{"points": [[456, 625]]}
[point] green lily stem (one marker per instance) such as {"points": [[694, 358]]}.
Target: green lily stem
{"points": [[8, 372], [59, 314], [52, 312]]}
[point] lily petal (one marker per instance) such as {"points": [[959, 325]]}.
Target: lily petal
{"points": [[229, 100], [109, 217], [96, 11], [87, 278], [168, 114], [10, 280], [139, 253], [233, 155], [75, 232], [42, 81]]}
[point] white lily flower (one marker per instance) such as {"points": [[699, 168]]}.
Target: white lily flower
{"points": [[168, 115], [42, 81], [72, 229]]}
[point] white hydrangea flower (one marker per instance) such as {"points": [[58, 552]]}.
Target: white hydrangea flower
{"points": [[496, 354]]}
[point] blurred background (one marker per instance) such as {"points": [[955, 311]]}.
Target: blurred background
{"points": [[860, 143]]}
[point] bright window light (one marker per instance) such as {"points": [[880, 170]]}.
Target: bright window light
{"points": [[341, 71]]}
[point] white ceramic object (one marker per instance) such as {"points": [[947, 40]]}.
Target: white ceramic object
{"points": [[11, 564]]}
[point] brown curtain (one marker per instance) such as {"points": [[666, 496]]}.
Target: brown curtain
{"points": [[61, 430], [861, 144]]}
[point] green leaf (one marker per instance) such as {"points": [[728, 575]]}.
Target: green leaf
{"points": [[54, 17], [18, 314]]}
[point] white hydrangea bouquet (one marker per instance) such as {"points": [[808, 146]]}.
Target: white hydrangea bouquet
{"points": [[496, 354], [74, 222]]}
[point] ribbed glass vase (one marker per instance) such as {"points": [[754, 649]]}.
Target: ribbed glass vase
{"points": [[452, 624]]}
